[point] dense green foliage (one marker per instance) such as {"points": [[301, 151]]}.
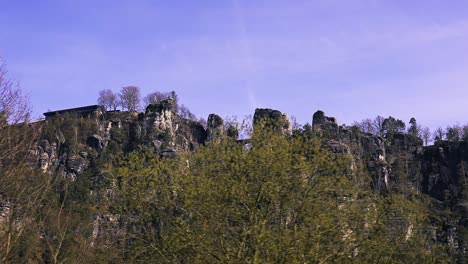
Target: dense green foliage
{"points": [[278, 199], [282, 201], [271, 199], [274, 198]]}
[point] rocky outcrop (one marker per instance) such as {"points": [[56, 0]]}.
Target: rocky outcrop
{"points": [[363, 148], [401, 161], [405, 155], [445, 178], [389, 161], [272, 119], [324, 125], [215, 130], [48, 156], [440, 171], [159, 128], [159, 122], [445, 166], [96, 142]]}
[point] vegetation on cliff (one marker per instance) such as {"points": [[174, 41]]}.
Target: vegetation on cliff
{"points": [[278, 197]]}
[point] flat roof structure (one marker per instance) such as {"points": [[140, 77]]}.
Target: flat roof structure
{"points": [[90, 109]]}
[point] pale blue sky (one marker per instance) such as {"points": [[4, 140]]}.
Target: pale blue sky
{"points": [[349, 58]]}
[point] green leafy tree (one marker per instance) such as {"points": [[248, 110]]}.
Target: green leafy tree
{"points": [[454, 133], [281, 200], [390, 126], [414, 129]]}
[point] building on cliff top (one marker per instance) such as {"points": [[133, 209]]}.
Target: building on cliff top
{"points": [[90, 111]]}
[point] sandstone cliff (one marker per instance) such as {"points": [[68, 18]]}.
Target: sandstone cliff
{"points": [[398, 163]]}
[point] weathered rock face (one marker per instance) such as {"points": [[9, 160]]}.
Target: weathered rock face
{"points": [[393, 160], [60, 159], [440, 171], [446, 170], [405, 155], [159, 128], [161, 107], [96, 142], [445, 178], [324, 125], [48, 157], [272, 119], [159, 121], [364, 148], [215, 129]]}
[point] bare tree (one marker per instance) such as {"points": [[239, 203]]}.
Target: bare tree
{"points": [[14, 106], [14, 111], [130, 98], [439, 134], [108, 99], [21, 188], [186, 113], [156, 97], [372, 126], [365, 125], [294, 124], [425, 134], [377, 124]]}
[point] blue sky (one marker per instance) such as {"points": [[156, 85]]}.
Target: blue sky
{"points": [[352, 59]]}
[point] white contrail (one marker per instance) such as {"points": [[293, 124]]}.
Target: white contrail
{"points": [[252, 99], [246, 50]]}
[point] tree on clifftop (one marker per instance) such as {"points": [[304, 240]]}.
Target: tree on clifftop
{"points": [[390, 126], [108, 99], [130, 98], [414, 129], [454, 133], [155, 97], [426, 135]]}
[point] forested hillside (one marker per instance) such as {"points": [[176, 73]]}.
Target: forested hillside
{"points": [[99, 185]]}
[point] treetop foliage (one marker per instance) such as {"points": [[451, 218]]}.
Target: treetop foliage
{"points": [[283, 200]]}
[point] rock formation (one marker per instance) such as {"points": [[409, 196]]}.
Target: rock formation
{"points": [[272, 119], [439, 171], [215, 128], [364, 148]]}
